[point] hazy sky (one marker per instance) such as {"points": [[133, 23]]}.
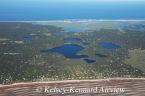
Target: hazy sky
{"points": [[68, 1], [93, 0], [76, 0]]}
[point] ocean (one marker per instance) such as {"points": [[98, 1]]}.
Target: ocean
{"points": [[39, 11]]}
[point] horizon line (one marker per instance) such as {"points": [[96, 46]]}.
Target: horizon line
{"points": [[73, 20]]}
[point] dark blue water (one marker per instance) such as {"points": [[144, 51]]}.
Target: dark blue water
{"points": [[89, 60], [100, 55], [68, 50], [11, 10], [72, 39], [109, 45]]}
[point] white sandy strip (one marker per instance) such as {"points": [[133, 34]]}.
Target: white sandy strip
{"points": [[72, 81], [4, 39]]}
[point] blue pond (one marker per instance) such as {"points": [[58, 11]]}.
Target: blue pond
{"points": [[68, 50], [89, 60], [56, 34], [136, 28], [109, 45], [72, 39], [133, 28], [27, 37], [100, 55], [85, 43], [99, 35]]}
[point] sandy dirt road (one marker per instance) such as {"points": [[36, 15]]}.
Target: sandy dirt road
{"points": [[101, 87]]}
